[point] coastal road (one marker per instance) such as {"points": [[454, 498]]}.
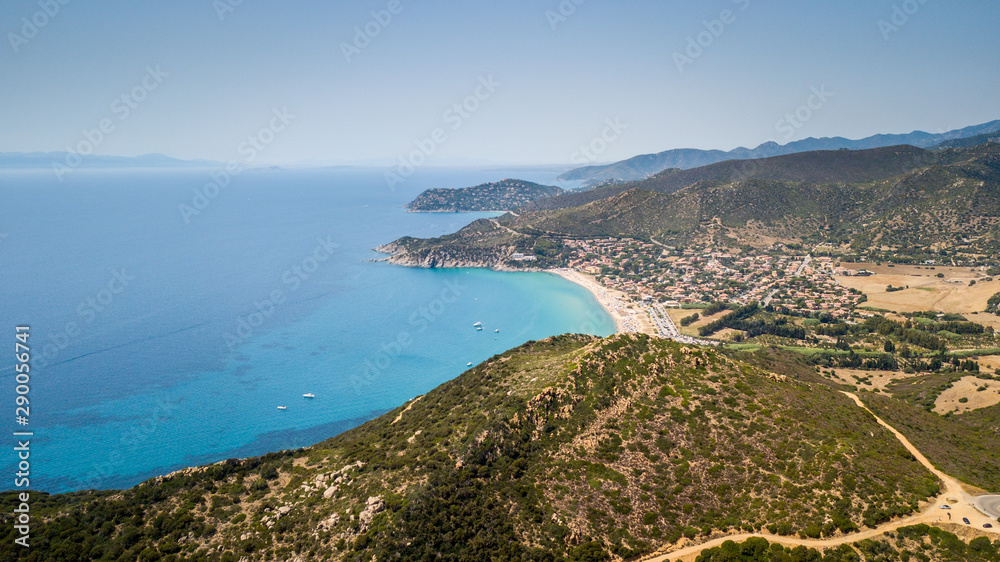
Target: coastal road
{"points": [[950, 487]]}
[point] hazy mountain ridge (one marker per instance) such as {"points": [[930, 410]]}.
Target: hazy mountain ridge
{"points": [[643, 166], [898, 197], [35, 160]]}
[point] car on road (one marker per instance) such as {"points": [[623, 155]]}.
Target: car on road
{"points": [[987, 525], [945, 506], [965, 520]]}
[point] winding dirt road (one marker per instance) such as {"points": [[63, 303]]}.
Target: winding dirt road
{"points": [[950, 488]]}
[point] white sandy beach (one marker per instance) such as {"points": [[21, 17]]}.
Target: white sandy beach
{"points": [[628, 317]]}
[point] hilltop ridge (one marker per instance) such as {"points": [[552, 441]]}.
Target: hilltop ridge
{"points": [[571, 448]]}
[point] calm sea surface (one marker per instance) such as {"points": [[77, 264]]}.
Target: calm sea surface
{"points": [[159, 343]]}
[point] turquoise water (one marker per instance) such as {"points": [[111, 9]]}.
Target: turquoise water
{"points": [[189, 335]]}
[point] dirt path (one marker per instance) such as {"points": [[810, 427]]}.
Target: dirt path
{"points": [[950, 488]]}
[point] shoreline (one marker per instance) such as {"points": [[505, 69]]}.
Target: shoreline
{"points": [[617, 304]]}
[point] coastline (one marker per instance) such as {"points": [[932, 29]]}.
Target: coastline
{"points": [[628, 319]]}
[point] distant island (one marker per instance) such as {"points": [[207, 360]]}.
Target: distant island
{"points": [[504, 195]]}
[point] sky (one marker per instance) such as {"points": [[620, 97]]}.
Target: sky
{"points": [[560, 82]]}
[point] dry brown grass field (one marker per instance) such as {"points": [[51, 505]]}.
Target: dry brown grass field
{"points": [[969, 389], [676, 314], [926, 291]]}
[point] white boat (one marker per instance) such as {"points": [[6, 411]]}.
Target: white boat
{"points": [[477, 325], [469, 364], [282, 407], [309, 395], [497, 331]]}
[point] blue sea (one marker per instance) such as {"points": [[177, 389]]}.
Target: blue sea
{"points": [[159, 342]]}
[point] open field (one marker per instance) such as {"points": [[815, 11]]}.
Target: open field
{"points": [[969, 389], [990, 362], [926, 291], [676, 314], [986, 319], [877, 379]]}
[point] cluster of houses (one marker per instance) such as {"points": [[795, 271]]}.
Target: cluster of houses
{"points": [[675, 277]]}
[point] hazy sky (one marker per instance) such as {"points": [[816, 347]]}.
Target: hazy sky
{"points": [[549, 74]]}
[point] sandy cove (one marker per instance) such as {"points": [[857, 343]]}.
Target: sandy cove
{"points": [[628, 316]]}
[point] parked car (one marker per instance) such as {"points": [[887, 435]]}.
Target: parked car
{"points": [[945, 506], [987, 525], [965, 520]]}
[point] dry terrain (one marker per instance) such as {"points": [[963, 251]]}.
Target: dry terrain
{"points": [[878, 379], [977, 392], [676, 314], [931, 513], [926, 291]]}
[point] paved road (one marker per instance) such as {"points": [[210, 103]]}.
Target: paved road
{"points": [[950, 488], [990, 505]]}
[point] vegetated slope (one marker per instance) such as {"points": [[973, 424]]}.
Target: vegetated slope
{"points": [[971, 141], [819, 167], [504, 195], [920, 542], [947, 199], [483, 243], [966, 446], [571, 448], [645, 165]]}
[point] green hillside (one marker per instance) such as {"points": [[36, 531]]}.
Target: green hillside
{"points": [[504, 195], [902, 199], [572, 448]]}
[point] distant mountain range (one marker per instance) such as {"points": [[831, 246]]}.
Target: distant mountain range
{"points": [[35, 160], [902, 198], [643, 166]]}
